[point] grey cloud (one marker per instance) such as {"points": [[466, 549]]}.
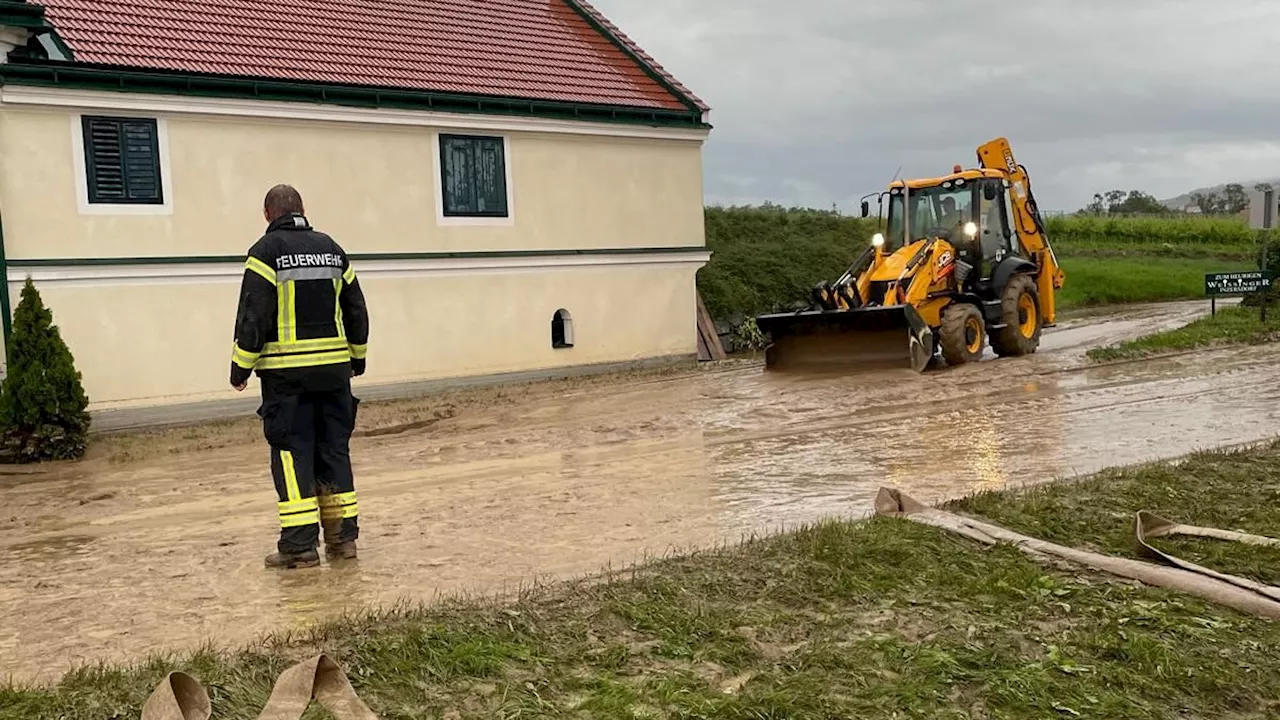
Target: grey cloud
{"points": [[819, 101]]}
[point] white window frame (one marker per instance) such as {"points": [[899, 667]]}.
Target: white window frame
{"points": [[82, 173], [438, 183]]}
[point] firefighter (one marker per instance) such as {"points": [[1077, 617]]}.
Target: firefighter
{"points": [[302, 326]]}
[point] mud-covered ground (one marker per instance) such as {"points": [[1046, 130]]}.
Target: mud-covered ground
{"points": [[156, 542]]}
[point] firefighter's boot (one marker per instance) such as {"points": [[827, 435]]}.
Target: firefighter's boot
{"points": [[293, 561], [340, 550], [334, 548]]}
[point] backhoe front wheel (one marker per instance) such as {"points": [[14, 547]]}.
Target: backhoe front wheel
{"points": [[1020, 313], [963, 333]]}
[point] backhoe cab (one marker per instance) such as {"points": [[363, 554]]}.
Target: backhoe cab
{"points": [[963, 260]]}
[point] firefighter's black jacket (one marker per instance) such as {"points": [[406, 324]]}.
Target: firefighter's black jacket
{"points": [[302, 316]]}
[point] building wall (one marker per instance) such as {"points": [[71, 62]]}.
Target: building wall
{"points": [[374, 187], [153, 341], [160, 331]]}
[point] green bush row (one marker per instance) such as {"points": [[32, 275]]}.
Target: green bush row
{"points": [[1219, 231]]}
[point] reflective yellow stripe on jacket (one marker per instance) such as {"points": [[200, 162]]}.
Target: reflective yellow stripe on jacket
{"points": [[262, 269], [304, 346], [286, 312], [286, 362], [244, 358]]}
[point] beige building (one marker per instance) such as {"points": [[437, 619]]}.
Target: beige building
{"points": [[520, 188]]}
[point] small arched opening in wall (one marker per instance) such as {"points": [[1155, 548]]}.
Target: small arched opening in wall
{"points": [[561, 330]]}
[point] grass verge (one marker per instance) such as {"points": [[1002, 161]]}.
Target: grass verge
{"points": [[1093, 281], [1231, 326], [883, 619]]}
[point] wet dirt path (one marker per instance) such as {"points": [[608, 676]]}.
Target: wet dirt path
{"points": [[112, 561]]}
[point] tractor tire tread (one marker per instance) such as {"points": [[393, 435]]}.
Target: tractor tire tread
{"points": [[954, 348], [1009, 341]]}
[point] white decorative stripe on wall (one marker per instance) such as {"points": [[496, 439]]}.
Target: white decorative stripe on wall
{"points": [[187, 273], [175, 105]]}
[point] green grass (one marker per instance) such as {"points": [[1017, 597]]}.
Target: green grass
{"points": [[878, 620], [1231, 326], [1093, 281]]}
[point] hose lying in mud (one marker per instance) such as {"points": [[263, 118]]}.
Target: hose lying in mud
{"points": [[1154, 526], [1235, 592], [181, 697]]}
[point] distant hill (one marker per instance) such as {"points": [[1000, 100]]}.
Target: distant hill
{"points": [[1181, 201]]}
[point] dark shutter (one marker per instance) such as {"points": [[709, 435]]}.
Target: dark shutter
{"points": [[122, 159], [459, 176], [473, 176]]}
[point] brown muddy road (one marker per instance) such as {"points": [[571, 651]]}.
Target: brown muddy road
{"points": [[112, 559]]}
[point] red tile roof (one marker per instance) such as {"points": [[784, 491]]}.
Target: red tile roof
{"points": [[528, 49]]}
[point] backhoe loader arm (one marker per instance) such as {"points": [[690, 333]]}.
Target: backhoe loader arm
{"points": [[1029, 227]]}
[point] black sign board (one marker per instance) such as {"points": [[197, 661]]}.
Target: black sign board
{"points": [[1236, 283]]}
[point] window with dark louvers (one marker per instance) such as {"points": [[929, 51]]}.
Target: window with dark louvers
{"points": [[122, 161], [473, 176]]}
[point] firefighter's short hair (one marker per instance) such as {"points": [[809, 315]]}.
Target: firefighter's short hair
{"points": [[283, 200]]}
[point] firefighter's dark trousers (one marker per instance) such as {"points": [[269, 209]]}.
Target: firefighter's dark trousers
{"points": [[310, 433]]}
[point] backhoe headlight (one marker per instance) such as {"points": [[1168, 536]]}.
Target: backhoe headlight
{"points": [[877, 240], [971, 229]]}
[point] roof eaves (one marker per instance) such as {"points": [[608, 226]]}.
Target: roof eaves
{"points": [[602, 25], [17, 13], [30, 17], [88, 76]]}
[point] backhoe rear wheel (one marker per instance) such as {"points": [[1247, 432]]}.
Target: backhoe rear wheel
{"points": [[963, 333], [1020, 313]]}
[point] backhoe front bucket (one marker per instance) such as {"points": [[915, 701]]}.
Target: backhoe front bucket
{"points": [[842, 340]]}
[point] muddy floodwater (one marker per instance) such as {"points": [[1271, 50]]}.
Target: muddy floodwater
{"points": [[112, 559]]}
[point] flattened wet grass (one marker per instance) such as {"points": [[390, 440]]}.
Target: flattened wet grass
{"points": [[1231, 326], [882, 619]]}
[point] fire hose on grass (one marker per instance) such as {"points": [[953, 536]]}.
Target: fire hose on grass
{"points": [[181, 697], [1240, 593]]}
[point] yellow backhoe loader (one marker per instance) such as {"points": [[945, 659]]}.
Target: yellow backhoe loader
{"points": [[964, 260]]}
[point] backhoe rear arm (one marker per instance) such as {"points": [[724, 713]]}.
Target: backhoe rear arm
{"points": [[998, 155]]}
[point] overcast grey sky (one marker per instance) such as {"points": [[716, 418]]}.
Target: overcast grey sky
{"points": [[817, 102]]}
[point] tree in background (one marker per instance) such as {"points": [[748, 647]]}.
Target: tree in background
{"points": [[43, 407], [1231, 201], [1118, 202], [1235, 200], [1208, 203]]}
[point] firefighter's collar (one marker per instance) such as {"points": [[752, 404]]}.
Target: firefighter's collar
{"points": [[290, 222]]}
